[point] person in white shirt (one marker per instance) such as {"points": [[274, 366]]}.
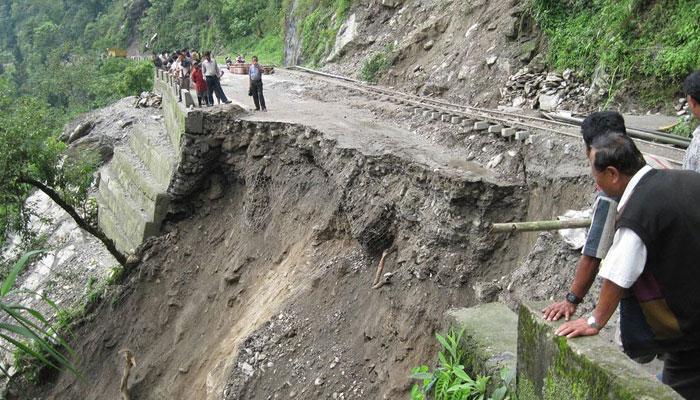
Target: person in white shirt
{"points": [[691, 88], [213, 74], [651, 269]]}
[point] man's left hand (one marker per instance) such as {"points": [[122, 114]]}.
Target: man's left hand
{"points": [[576, 328]]}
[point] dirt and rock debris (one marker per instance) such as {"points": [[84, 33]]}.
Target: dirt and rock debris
{"points": [[261, 287]]}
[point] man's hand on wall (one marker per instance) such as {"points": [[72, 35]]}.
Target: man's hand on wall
{"points": [[557, 310], [576, 328]]}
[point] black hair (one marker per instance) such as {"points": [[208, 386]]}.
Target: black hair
{"points": [[691, 85], [599, 123], [614, 149]]}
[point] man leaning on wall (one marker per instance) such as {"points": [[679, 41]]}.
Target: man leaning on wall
{"points": [[599, 236], [651, 269]]}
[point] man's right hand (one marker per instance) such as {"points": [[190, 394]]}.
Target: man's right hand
{"points": [[557, 310]]}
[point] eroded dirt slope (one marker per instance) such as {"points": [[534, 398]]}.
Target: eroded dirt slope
{"points": [[289, 253]]}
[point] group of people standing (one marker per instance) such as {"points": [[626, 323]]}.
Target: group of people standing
{"points": [[191, 68], [644, 241], [198, 70]]}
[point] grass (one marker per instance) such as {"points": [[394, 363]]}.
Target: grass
{"points": [[269, 49], [685, 127], [376, 65], [319, 25], [648, 47], [26, 358], [28, 332]]}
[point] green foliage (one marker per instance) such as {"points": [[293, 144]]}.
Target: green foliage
{"points": [[137, 77], [685, 127], [645, 46], [449, 381], [320, 22], [28, 331], [268, 49], [375, 66], [27, 149]]}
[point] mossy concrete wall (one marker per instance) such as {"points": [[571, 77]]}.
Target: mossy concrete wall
{"points": [[174, 112], [133, 197], [160, 166], [554, 368]]}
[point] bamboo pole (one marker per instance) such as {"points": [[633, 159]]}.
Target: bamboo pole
{"points": [[540, 225]]}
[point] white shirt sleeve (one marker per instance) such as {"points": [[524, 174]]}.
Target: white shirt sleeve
{"points": [[626, 259]]}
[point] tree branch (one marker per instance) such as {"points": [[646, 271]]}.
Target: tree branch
{"points": [[109, 244]]}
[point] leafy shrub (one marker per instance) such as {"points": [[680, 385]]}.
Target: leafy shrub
{"points": [[375, 66], [449, 381], [136, 78], [28, 331]]}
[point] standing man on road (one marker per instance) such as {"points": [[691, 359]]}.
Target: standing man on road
{"points": [[691, 88], [255, 73], [213, 74], [652, 268]]}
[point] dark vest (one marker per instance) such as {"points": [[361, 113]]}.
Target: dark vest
{"points": [[664, 211]]}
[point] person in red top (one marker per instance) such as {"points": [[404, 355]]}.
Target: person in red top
{"points": [[200, 84]]}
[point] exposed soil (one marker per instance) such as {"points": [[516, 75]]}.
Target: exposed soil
{"points": [[266, 291]]}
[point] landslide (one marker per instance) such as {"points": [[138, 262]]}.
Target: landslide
{"points": [[265, 289]]}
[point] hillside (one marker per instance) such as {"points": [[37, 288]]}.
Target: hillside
{"points": [[631, 52]]}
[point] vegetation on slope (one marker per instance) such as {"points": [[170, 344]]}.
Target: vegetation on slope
{"points": [[645, 46]]}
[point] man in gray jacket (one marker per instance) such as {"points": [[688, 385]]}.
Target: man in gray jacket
{"points": [[256, 86]]}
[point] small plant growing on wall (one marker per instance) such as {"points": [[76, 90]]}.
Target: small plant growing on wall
{"points": [[449, 380]]}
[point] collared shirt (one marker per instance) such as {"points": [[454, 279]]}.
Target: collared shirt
{"points": [[210, 68], [255, 72], [691, 160], [625, 261]]}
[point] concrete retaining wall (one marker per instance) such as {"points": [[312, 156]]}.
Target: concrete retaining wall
{"points": [[550, 367], [160, 166], [133, 198]]}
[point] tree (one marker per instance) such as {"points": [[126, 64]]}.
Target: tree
{"points": [[31, 156]]}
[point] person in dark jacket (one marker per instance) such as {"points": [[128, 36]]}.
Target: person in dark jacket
{"points": [[651, 269]]}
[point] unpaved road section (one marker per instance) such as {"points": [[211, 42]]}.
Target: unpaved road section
{"points": [[263, 290]]}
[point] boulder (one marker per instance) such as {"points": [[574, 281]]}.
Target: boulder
{"points": [[102, 146], [549, 102], [81, 131], [346, 39]]}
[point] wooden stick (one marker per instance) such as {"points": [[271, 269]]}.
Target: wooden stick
{"points": [[380, 268], [540, 225], [129, 362]]}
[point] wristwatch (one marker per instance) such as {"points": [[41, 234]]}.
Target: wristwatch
{"points": [[592, 322], [573, 299]]}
